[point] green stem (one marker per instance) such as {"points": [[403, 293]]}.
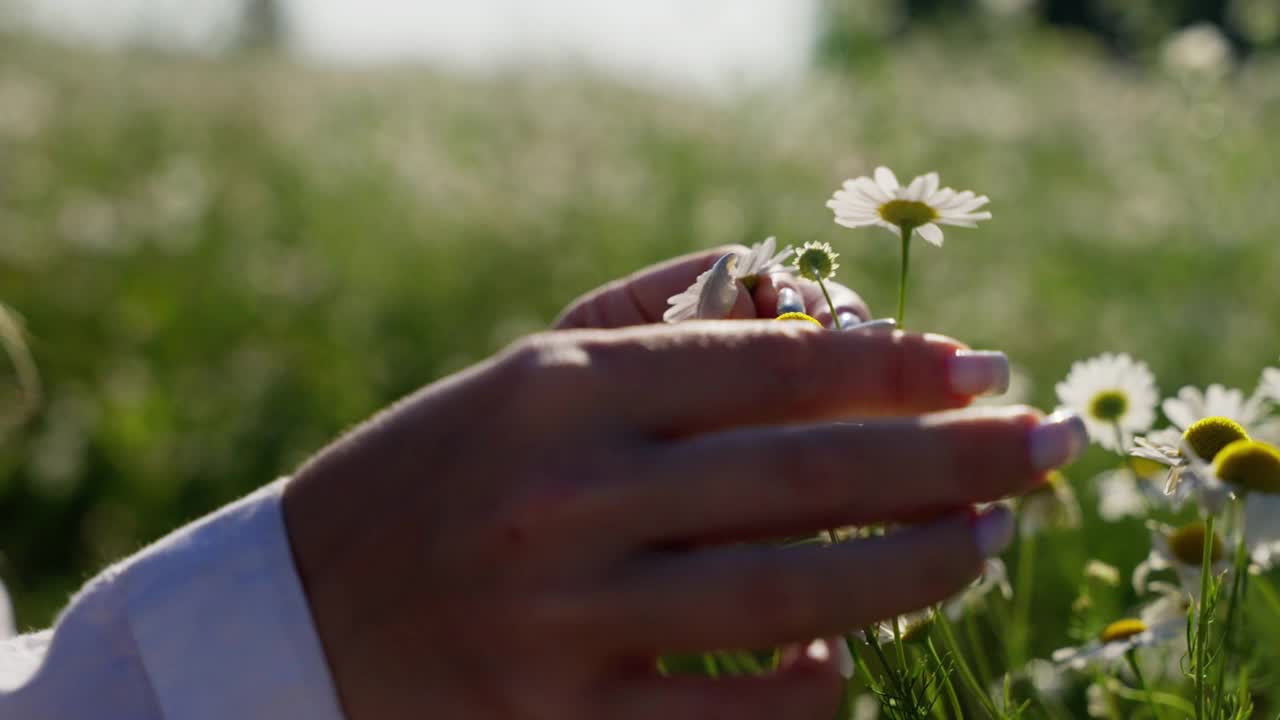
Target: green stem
{"points": [[906, 231], [835, 318], [1168, 700], [966, 674], [1234, 603], [1269, 593], [1020, 630], [1132, 657], [979, 648], [1201, 636], [946, 679]]}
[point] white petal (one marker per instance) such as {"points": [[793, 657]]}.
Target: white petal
{"points": [[915, 190], [930, 185], [931, 233], [873, 190], [887, 181]]}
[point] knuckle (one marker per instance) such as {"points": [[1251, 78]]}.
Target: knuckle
{"points": [[547, 370]]}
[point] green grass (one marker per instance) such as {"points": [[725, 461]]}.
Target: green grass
{"points": [[222, 265]]}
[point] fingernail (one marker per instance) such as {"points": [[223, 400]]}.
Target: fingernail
{"points": [[1058, 440], [979, 372], [789, 300], [848, 319], [881, 325], [993, 531]]}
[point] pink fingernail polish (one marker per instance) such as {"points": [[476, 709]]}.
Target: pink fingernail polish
{"points": [[978, 372], [1058, 440], [993, 531]]}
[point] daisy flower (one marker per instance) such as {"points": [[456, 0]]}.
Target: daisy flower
{"points": [[1181, 550], [1115, 394], [816, 261], [1196, 446], [1253, 412], [994, 578], [713, 293], [1269, 386], [1051, 505], [912, 626], [921, 206], [1161, 622], [1122, 493]]}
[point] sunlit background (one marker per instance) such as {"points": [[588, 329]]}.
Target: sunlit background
{"points": [[233, 229]]}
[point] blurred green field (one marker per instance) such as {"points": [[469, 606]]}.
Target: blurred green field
{"points": [[223, 264]]}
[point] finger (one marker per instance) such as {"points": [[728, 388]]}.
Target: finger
{"points": [[701, 376], [756, 483], [744, 596], [641, 298], [849, 305], [778, 294], [805, 688]]}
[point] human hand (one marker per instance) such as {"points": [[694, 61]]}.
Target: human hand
{"points": [[641, 297], [522, 539]]}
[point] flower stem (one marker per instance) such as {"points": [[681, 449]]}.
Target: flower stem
{"points": [[1201, 637], [978, 646], [835, 317], [1132, 657], [906, 231], [1020, 629], [966, 674], [1234, 603], [946, 679]]}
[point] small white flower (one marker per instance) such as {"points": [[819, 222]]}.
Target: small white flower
{"points": [[1115, 394], [822, 650], [1120, 495], [713, 293], [994, 577], [912, 626], [1199, 50], [921, 205], [1181, 550], [763, 258], [816, 261], [1189, 454], [1160, 622], [1051, 505], [1252, 412], [1269, 386], [1104, 573], [1262, 529]]}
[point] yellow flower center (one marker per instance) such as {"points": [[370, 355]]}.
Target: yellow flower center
{"points": [[907, 212], [1187, 544], [798, 316], [1122, 629], [1109, 405], [1249, 465], [1207, 437]]}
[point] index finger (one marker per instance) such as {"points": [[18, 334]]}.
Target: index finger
{"points": [[701, 376]]}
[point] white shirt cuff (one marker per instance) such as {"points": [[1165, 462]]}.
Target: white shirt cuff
{"points": [[221, 621]]}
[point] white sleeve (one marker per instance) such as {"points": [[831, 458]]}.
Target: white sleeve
{"points": [[209, 622]]}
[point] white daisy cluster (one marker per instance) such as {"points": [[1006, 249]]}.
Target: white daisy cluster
{"points": [[1215, 454], [919, 208]]}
